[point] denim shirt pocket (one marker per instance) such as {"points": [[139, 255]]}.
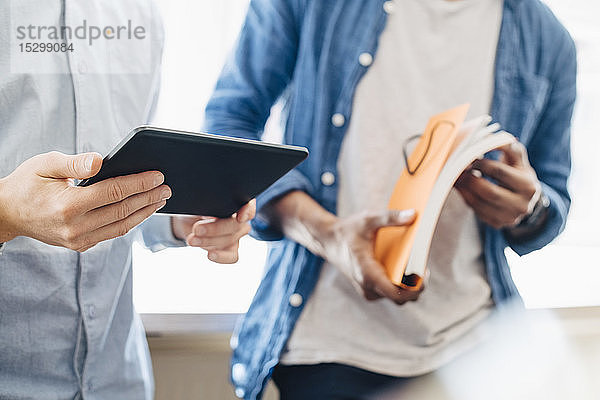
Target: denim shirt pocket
{"points": [[519, 103]]}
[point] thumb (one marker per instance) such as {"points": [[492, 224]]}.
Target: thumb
{"points": [[61, 166], [514, 154], [247, 212], [391, 218], [401, 217]]}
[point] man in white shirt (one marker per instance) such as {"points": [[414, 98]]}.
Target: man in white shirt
{"points": [[68, 328]]}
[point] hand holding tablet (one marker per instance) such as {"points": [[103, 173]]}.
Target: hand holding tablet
{"points": [[38, 200], [152, 170], [220, 237], [209, 175]]}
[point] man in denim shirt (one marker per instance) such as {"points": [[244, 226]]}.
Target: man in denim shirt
{"points": [[337, 65]]}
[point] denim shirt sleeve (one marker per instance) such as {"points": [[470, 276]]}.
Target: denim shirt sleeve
{"points": [[254, 77], [549, 149]]}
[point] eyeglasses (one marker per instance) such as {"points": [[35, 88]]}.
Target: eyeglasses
{"points": [[407, 142]]}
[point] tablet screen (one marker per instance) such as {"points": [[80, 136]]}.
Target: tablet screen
{"points": [[209, 175]]}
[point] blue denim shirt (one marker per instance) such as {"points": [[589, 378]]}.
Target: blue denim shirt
{"points": [[307, 52]]}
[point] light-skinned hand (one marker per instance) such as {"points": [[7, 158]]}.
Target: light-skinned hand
{"points": [[40, 200]]}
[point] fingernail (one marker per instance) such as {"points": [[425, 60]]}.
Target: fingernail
{"points": [[200, 231], [476, 173], [89, 162], [166, 194], [213, 257], [407, 213], [158, 179]]}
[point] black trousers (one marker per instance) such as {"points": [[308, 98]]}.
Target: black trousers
{"points": [[331, 382]]}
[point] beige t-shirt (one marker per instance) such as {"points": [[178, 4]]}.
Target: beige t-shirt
{"points": [[433, 55]]}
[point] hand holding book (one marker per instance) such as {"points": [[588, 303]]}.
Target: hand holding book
{"points": [[447, 148], [517, 189], [346, 243]]}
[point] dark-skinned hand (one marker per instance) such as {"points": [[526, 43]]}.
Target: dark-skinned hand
{"points": [[512, 197]]}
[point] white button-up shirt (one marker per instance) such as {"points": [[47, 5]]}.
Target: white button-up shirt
{"points": [[68, 328]]}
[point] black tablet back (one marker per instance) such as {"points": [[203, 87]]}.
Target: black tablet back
{"points": [[209, 175]]}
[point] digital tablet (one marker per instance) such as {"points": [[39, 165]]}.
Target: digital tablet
{"points": [[209, 175]]}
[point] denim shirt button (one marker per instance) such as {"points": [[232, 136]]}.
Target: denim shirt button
{"points": [[389, 7], [233, 342], [91, 311], [239, 393], [338, 120], [296, 300], [365, 59], [328, 178], [238, 372]]}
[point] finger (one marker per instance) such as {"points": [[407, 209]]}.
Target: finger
{"points": [[226, 256], [515, 154], [120, 228], [355, 277], [465, 174], [400, 217], [117, 189], [111, 213], [183, 225], [57, 165], [219, 242], [216, 227], [389, 218], [506, 206], [506, 175], [501, 198], [375, 279], [485, 212], [247, 212], [371, 294], [365, 287], [398, 295]]}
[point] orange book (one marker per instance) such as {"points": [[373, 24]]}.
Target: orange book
{"points": [[446, 148]]}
